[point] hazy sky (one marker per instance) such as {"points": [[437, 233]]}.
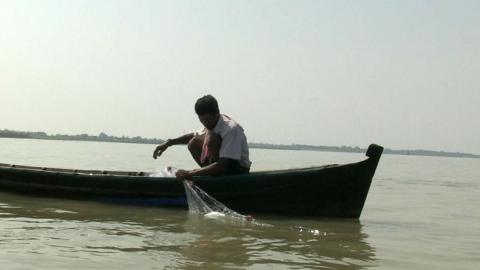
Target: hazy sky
{"points": [[404, 74]]}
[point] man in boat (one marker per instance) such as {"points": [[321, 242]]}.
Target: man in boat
{"points": [[219, 148]]}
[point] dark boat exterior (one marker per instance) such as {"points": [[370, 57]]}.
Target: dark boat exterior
{"points": [[325, 191]]}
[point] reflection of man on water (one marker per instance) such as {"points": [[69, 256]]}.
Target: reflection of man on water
{"points": [[219, 148]]}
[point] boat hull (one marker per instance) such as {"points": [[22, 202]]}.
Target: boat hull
{"points": [[327, 191]]}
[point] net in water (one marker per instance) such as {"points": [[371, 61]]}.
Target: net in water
{"points": [[200, 203]]}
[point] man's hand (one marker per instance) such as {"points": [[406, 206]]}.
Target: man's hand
{"points": [[182, 174], [160, 149]]}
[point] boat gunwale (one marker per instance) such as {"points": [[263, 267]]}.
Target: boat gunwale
{"points": [[141, 174]]}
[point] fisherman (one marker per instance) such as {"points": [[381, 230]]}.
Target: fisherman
{"points": [[219, 148]]}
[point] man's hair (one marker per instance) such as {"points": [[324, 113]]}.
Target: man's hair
{"points": [[206, 105]]}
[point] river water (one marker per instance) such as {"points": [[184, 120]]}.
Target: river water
{"points": [[421, 213]]}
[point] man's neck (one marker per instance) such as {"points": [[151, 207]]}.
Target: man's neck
{"points": [[216, 121]]}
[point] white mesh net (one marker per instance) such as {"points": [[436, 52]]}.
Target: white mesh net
{"points": [[166, 172], [200, 203]]}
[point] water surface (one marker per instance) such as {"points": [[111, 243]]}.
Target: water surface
{"points": [[421, 213]]}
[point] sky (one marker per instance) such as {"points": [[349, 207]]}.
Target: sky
{"points": [[403, 74]]}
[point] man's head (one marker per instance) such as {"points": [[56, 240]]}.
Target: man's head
{"points": [[207, 110]]}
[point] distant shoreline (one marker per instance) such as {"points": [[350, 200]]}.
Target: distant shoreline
{"points": [[102, 137]]}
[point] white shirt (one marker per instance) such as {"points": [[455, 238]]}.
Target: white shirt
{"points": [[234, 142]]}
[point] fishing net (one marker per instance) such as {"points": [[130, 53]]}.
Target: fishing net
{"points": [[166, 172], [200, 203]]}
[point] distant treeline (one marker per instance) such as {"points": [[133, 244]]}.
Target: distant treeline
{"points": [[350, 149], [102, 137], [305, 147]]}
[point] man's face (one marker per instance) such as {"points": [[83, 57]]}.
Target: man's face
{"points": [[209, 120]]}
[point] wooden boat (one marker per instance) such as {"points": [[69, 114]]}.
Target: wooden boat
{"points": [[325, 191]]}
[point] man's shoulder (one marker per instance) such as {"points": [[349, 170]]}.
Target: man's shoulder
{"points": [[232, 124], [228, 126]]}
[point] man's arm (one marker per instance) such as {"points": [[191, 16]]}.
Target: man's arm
{"points": [[216, 168], [184, 139]]}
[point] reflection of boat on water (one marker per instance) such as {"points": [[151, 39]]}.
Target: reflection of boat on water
{"points": [[326, 191], [341, 244], [195, 242]]}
